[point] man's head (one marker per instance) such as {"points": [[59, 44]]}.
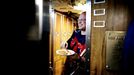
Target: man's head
{"points": [[82, 21]]}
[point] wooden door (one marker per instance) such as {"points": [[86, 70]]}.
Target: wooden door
{"points": [[62, 30]]}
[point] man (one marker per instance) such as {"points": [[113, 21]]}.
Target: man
{"points": [[75, 64]]}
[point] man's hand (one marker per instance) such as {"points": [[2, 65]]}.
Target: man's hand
{"points": [[83, 59], [82, 55], [64, 45]]}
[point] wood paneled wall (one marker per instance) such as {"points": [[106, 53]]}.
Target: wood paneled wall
{"points": [[117, 18]]}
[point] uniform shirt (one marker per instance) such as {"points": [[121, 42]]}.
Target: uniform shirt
{"points": [[77, 42]]}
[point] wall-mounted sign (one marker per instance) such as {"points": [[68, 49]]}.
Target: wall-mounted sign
{"points": [[99, 23], [98, 12], [114, 45], [99, 1]]}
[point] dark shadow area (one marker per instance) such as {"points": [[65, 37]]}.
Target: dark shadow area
{"points": [[128, 49], [26, 54]]}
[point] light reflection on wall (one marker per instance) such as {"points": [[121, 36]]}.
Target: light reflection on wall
{"points": [[39, 4]]}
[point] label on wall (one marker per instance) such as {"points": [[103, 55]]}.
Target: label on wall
{"points": [[99, 23], [98, 12], [99, 1], [114, 46]]}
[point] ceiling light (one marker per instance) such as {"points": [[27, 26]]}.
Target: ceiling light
{"points": [[80, 7]]}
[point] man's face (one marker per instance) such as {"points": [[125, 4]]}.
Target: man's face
{"points": [[82, 21]]}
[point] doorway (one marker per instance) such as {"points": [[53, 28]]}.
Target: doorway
{"points": [[63, 22]]}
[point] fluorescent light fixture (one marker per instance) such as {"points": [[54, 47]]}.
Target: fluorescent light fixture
{"points": [[80, 7]]}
